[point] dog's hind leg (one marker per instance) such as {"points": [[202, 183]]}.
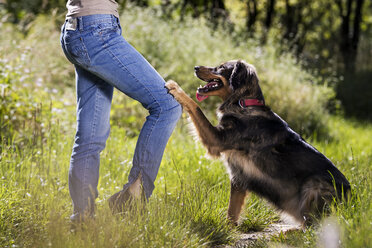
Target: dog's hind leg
{"points": [[237, 197], [316, 194]]}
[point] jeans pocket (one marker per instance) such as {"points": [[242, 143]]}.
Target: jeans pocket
{"points": [[76, 49], [107, 33]]}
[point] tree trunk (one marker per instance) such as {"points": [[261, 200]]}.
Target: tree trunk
{"points": [[218, 9], [252, 13], [289, 21], [269, 14], [356, 33], [349, 39]]}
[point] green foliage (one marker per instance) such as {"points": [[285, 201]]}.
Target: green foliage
{"points": [[27, 103], [18, 108], [24, 11], [175, 48], [33, 80]]}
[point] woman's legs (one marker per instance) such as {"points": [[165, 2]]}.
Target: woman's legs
{"points": [[134, 76], [93, 127], [105, 57]]}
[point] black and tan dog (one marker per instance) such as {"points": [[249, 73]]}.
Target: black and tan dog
{"points": [[262, 153]]}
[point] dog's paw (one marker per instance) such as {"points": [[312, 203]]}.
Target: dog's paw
{"points": [[173, 87], [175, 90], [170, 84]]}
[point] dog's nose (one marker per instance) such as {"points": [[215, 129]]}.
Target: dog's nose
{"points": [[196, 68]]}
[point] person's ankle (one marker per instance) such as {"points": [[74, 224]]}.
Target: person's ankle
{"points": [[135, 190]]}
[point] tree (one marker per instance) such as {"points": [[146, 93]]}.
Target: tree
{"points": [[252, 13], [215, 9], [270, 11], [350, 31]]}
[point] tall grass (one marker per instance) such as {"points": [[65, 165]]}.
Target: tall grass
{"points": [[189, 204]]}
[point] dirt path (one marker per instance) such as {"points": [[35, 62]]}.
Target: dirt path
{"points": [[247, 239]]}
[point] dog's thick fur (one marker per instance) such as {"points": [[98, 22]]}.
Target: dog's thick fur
{"points": [[262, 153]]}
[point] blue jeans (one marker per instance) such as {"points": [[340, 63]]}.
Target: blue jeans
{"points": [[103, 59]]}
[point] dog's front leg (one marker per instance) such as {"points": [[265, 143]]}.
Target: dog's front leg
{"points": [[206, 131], [236, 203]]}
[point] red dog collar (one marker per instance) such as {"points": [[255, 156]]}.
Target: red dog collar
{"points": [[250, 102]]}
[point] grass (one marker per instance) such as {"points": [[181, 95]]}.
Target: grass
{"points": [[189, 204]]}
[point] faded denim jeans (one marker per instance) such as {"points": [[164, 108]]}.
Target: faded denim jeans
{"points": [[103, 59]]}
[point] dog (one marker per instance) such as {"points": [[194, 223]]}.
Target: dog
{"points": [[261, 152]]}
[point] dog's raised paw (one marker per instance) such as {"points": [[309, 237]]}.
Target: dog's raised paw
{"points": [[174, 89], [171, 85], [177, 92]]}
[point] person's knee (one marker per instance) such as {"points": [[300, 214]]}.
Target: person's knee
{"points": [[177, 111], [173, 110], [85, 146], [169, 109]]}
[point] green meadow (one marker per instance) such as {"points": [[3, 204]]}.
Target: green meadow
{"points": [[189, 205]]}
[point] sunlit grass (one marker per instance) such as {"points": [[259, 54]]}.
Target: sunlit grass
{"points": [[35, 204], [188, 207]]}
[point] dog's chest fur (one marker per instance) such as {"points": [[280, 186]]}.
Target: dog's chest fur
{"points": [[247, 175], [241, 160]]}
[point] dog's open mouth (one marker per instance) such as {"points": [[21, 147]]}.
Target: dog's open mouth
{"points": [[212, 85]]}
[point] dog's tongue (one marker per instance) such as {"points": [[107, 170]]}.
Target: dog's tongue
{"points": [[200, 97]]}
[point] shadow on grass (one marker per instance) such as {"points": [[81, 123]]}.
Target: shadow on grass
{"points": [[215, 230]]}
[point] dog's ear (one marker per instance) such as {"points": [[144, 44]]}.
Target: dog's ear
{"points": [[242, 74]]}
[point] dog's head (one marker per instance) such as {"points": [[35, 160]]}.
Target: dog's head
{"points": [[232, 77]]}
